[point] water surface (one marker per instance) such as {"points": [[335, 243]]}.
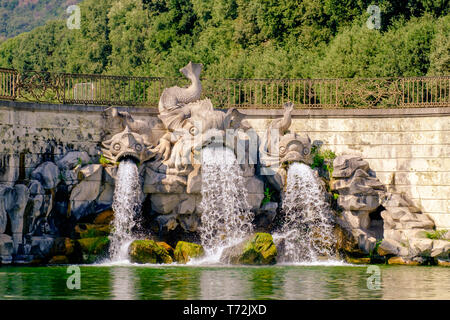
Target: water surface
{"points": [[222, 282]]}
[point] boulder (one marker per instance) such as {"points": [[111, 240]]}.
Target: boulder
{"points": [[265, 216], [441, 249], [59, 260], [47, 174], [421, 247], [359, 183], [72, 159], [35, 188], [97, 246], [403, 261], [164, 203], [105, 217], [390, 247], [156, 182], [90, 230], [84, 193], [148, 251], [41, 246], [356, 260], [16, 213], [194, 180], [106, 196], [6, 249], [361, 202], [443, 262], [167, 222], [344, 166], [189, 222], [258, 249], [186, 251]]}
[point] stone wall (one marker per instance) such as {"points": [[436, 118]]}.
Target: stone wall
{"points": [[409, 149]]}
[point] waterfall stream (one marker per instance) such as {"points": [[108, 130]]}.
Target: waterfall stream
{"points": [[126, 204], [307, 231], [226, 216]]}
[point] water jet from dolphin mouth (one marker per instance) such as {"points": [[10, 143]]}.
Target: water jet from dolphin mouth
{"points": [[307, 231], [126, 205], [226, 216]]}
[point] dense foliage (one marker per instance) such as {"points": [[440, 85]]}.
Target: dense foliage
{"points": [[242, 39], [17, 16]]}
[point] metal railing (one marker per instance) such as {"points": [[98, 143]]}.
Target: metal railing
{"points": [[225, 93]]}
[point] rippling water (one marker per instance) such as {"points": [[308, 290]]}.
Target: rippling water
{"points": [[184, 282]]}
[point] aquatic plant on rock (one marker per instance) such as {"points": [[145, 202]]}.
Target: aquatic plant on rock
{"points": [[258, 249], [185, 251], [148, 251]]}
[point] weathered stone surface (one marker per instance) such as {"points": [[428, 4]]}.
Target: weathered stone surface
{"points": [[254, 200], [6, 247], [443, 262], [35, 188], [398, 200], [254, 185], [441, 249], [106, 196], [105, 217], [41, 246], [72, 159], [148, 251], [401, 219], [194, 180], [258, 249], [389, 247], [360, 202], [185, 251], [59, 260], [47, 174], [97, 246], [345, 165], [164, 203], [359, 183], [156, 182], [167, 222], [189, 222], [89, 230], [86, 191], [421, 247], [265, 216], [16, 213], [403, 261], [186, 206], [355, 260]]}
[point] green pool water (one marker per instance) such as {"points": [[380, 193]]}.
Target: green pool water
{"points": [[216, 282]]}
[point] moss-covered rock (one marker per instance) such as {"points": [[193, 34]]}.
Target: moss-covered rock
{"points": [[258, 249], [148, 251], [186, 251], [59, 260], [96, 245], [68, 248], [403, 261], [356, 260], [89, 230], [104, 217], [93, 249]]}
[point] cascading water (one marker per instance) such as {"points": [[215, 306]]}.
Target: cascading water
{"points": [[126, 204], [226, 216], [307, 232]]}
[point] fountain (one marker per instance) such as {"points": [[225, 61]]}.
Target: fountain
{"points": [[226, 216], [126, 206], [307, 232]]}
